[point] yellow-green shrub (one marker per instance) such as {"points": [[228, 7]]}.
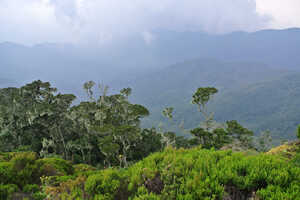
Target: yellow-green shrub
{"points": [[54, 167], [105, 184], [83, 169], [7, 175]]}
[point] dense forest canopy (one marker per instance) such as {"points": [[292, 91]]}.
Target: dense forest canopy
{"points": [[103, 130]]}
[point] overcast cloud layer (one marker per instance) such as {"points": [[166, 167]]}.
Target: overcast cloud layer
{"points": [[35, 21]]}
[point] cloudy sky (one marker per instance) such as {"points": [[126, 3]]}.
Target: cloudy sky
{"points": [[36, 21]]}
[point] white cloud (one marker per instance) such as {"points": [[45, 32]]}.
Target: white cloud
{"points": [[30, 21], [33, 21], [285, 13]]}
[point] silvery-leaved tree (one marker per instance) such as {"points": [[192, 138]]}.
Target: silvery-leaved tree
{"points": [[111, 122], [31, 113]]}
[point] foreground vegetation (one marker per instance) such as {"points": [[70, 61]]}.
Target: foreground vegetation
{"points": [[172, 174], [53, 149]]}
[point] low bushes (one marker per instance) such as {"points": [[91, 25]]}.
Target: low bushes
{"points": [[172, 174], [54, 167], [105, 184], [6, 191]]}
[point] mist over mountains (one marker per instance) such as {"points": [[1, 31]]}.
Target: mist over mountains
{"points": [[251, 70]]}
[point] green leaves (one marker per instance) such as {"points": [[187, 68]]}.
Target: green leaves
{"points": [[168, 112], [203, 95]]}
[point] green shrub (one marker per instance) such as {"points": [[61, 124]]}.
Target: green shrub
{"points": [[206, 174], [142, 194], [31, 188], [55, 180], [4, 157], [54, 167], [21, 160], [39, 196], [23, 164], [296, 160], [70, 189], [104, 184], [6, 191], [7, 175], [82, 168]]}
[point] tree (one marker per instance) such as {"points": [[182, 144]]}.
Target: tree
{"points": [[200, 98], [239, 134], [212, 134], [264, 141], [31, 113], [113, 122]]}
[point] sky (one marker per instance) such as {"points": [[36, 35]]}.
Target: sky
{"points": [[100, 21]]}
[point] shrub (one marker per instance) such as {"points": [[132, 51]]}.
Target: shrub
{"points": [[4, 157], [6, 191], [31, 188], [39, 196], [7, 175], [70, 189], [23, 164], [82, 168], [54, 167], [207, 174], [105, 184], [22, 159], [296, 160]]}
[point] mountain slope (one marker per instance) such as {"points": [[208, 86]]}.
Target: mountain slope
{"points": [[259, 97], [272, 105]]}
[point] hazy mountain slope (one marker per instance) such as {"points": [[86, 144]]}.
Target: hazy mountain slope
{"points": [[275, 47], [251, 93], [132, 56], [270, 105]]}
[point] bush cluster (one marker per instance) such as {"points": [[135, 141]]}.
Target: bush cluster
{"points": [[191, 174], [21, 172]]}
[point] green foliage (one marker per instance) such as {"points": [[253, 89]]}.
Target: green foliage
{"points": [[82, 168], [205, 174], [31, 188], [296, 159], [39, 196], [203, 95], [7, 175], [172, 174], [218, 137], [105, 184], [54, 167], [6, 191]]}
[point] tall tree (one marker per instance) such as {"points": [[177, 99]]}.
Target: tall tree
{"points": [[200, 98]]}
